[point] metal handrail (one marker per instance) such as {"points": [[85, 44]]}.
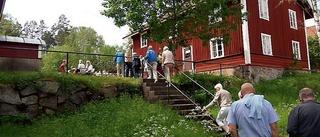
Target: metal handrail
{"points": [[169, 82], [194, 82]]}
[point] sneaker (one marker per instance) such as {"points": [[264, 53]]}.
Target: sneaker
{"points": [[228, 134], [155, 81], [168, 85]]}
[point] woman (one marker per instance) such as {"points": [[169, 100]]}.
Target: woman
{"points": [[89, 67], [167, 63]]}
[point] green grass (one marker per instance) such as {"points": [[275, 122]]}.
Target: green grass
{"points": [[116, 117]]}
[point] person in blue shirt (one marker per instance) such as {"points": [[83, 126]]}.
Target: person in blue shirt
{"points": [[252, 116], [119, 60], [151, 58]]}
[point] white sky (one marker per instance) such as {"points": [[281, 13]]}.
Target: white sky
{"points": [[79, 12]]}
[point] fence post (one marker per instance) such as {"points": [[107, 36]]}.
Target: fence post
{"points": [[67, 62]]}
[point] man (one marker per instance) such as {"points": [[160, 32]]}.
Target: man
{"points": [[167, 62], [151, 58], [136, 65], [63, 66], [119, 60], [304, 120], [252, 116], [128, 61], [224, 100]]}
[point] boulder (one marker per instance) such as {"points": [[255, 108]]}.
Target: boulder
{"points": [[62, 97], [32, 110], [30, 100], [28, 91], [78, 88], [50, 87], [78, 98], [49, 102], [8, 109], [49, 111], [8, 95]]}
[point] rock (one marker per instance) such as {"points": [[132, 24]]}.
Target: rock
{"points": [[32, 110], [50, 87], [78, 98], [28, 91], [62, 97], [109, 91], [49, 111], [78, 88], [7, 109], [30, 100], [8, 95], [50, 102]]}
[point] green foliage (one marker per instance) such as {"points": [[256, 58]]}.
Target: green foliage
{"points": [[314, 53], [182, 20], [9, 26], [115, 117]]}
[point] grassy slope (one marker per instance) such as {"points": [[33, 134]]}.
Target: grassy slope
{"points": [[120, 117]]}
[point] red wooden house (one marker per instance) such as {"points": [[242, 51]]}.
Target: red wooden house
{"points": [[272, 39], [20, 53]]}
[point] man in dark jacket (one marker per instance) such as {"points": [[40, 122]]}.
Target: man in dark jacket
{"points": [[304, 120]]}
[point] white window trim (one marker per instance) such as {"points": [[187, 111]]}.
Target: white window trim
{"points": [[211, 46], [266, 46], [297, 55], [264, 8], [141, 44], [293, 20]]}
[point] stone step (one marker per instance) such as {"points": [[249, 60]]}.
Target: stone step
{"points": [[161, 87], [152, 80], [182, 106], [175, 96], [176, 101], [165, 92]]}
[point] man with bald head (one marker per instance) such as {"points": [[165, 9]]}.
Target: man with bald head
{"points": [[252, 116], [304, 120]]}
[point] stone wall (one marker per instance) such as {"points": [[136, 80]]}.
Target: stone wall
{"points": [[16, 64], [250, 73], [47, 97]]}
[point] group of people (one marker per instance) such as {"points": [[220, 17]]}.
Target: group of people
{"points": [[253, 116], [132, 63], [81, 69]]}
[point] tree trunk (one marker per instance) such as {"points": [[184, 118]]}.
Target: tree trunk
{"points": [[316, 18]]}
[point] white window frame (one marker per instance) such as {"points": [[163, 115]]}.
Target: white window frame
{"points": [[143, 43], [266, 44], [293, 19], [214, 44], [296, 50], [263, 9]]}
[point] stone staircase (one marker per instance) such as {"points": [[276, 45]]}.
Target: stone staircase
{"points": [[171, 97]]}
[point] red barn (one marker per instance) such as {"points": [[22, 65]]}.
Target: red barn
{"points": [[13, 57], [272, 39]]}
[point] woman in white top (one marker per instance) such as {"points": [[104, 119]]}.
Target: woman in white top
{"points": [[167, 62], [89, 68], [81, 67]]}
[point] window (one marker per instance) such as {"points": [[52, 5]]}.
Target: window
{"points": [[293, 19], [217, 17], [216, 48], [296, 50], [143, 40], [263, 9], [266, 44]]}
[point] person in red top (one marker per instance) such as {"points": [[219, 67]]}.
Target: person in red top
{"points": [[63, 66]]}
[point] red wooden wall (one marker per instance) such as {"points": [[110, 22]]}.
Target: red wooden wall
{"points": [[18, 53], [281, 34]]}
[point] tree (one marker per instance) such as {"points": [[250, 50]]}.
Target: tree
{"points": [[181, 20], [61, 30], [314, 53], [10, 26]]}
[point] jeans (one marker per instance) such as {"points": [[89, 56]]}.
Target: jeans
{"points": [[120, 68], [129, 67]]}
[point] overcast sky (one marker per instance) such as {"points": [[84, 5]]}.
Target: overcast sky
{"points": [[79, 12]]}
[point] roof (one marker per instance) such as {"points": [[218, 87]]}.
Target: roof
{"points": [[22, 40], [311, 31]]}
